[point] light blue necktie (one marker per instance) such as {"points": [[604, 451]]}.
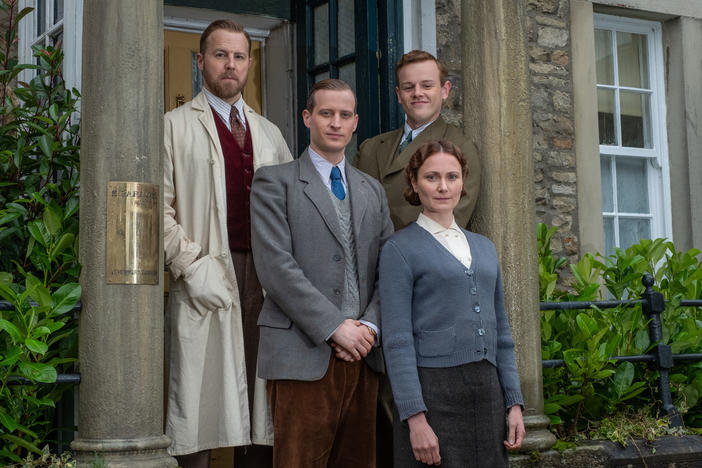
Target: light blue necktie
{"points": [[406, 142], [336, 186]]}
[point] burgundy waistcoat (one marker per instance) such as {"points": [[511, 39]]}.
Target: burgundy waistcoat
{"points": [[238, 172]]}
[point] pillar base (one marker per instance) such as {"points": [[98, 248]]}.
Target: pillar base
{"points": [[538, 437], [145, 452]]}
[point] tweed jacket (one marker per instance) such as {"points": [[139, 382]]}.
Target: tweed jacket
{"points": [[204, 337], [379, 157], [438, 313], [297, 250]]}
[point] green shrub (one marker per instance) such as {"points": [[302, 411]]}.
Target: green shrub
{"points": [[39, 157], [591, 386]]}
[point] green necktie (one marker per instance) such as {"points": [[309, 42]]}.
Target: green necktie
{"points": [[405, 142]]}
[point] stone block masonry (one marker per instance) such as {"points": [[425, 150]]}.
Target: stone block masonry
{"points": [[553, 122]]}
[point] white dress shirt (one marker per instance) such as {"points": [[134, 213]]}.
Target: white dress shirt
{"points": [[452, 238], [224, 109], [324, 168], [407, 130]]}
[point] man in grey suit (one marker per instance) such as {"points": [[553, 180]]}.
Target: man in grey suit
{"points": [[317, 228], [422, 87]]}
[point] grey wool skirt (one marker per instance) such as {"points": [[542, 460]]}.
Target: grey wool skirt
{"points": [[466, 410]]}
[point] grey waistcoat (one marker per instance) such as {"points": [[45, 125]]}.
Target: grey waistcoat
{"points": [[350, 302]]}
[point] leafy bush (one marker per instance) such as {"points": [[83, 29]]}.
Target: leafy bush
{"points": [[39, 157], [592, 387]]}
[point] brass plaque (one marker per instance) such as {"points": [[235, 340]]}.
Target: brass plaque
{"points": [[132, 233]]}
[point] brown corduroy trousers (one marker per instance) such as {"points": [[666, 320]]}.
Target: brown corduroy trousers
{"points": [[328, 422]]}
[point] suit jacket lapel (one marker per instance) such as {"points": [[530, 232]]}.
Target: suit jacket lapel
{"points": [[359, 198], [319, 194], [388, 149], [433, 132]]}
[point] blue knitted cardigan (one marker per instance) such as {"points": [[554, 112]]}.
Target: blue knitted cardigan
{"points": [[435, 312]]}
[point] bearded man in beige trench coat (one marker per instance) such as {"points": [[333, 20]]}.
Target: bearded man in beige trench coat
{"points": [[204, 167]]}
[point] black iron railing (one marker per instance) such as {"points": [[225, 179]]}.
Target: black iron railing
{"points": [[661, 356]]}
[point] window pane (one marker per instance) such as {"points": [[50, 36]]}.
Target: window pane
{"points": [[41, 17], [632, 60], [320, 16], [607, 186], [631, 231], [196, 75], [603, 57], [609, 235], [348, 74], [632, 185], [347, 33], [636, 119], [58, 11], [605, 116], [55, 39]]}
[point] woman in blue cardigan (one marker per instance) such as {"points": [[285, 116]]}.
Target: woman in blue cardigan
{"points": [[448, 347]]}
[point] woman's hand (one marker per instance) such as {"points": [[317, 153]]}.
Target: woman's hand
{"points": [[515, 428], [425, 444]]}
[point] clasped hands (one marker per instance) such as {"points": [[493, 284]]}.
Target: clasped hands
{"points": [[352, 341]]}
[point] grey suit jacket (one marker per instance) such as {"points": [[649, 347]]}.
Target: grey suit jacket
{"points": [[296, 245], [379, 157]]}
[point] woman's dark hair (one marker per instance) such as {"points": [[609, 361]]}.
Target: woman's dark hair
{"points": [[416, 161]]}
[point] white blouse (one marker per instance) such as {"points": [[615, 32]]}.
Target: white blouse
{"points": [[452, 238]]}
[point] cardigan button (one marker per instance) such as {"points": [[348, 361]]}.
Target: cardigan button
{"points": [[476, 308], [337, 292], [337, 258], [481, 331], [473, 291]]}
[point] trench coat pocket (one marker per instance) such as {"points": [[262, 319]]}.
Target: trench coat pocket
{"points": [[436, 342], [206, 286]]}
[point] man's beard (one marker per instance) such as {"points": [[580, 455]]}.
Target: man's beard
{"points": [[223, 90]]}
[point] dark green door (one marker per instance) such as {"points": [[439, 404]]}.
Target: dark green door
{"points": [[356, 41]]}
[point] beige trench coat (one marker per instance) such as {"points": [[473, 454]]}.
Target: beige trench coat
{"points": [[207, 388]]}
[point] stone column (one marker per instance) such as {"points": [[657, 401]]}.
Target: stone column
{"points": [[121, 325], [497, 116]]}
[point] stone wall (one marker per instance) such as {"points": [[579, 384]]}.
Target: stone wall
{"points": [[548, 32], [553, 123], [449, 51]]}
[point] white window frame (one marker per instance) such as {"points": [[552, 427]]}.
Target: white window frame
{"points": [[657, 156], [72, 28], [419, 25]]}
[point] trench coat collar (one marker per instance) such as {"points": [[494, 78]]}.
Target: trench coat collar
{"points": [[200, 103]]}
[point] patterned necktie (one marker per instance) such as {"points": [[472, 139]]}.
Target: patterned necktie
{"points": [[405, 142], [238, 131], [336, 186]]}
